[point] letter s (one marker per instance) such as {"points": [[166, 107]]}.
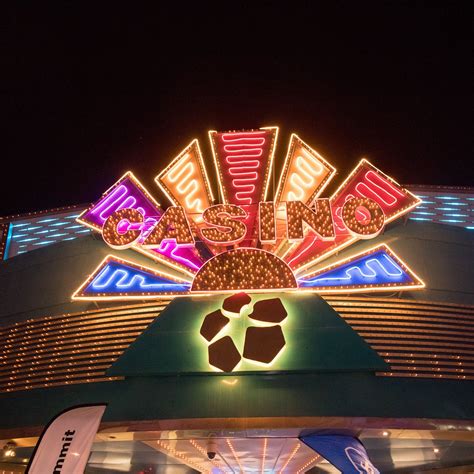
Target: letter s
{"points": [[226, 229]]}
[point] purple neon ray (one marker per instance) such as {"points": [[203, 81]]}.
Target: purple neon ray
{"points": [[127, 194], [185, 255], [124, 194]]}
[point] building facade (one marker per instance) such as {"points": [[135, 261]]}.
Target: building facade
{"points": [[352, 315]]}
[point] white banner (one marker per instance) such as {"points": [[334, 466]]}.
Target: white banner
{"points": [[65, 444]]}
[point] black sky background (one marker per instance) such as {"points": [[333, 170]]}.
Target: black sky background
{"points": [[93, 89]]}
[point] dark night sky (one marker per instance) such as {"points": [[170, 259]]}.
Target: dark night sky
{"points": [[91, 91]]}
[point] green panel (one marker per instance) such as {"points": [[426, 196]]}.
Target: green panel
{"points": [[258, 395], [317, 339], [40, 283]]}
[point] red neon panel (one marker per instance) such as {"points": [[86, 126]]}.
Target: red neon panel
{"points": [[243, 161], [364, 181]]}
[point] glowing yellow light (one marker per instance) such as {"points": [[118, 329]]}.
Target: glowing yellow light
{"points": [[235, 456], [111, 234], [226, 230], [246, 269], [290, 457], [319, 220], [173, 225]]}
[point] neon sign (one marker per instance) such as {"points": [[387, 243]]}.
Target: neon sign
{"points": [[248, 241], [264, 341]]}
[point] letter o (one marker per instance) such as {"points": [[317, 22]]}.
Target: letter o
{"points": [[363, 230]]}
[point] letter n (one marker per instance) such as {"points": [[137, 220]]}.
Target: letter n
{"points": [[318, 220]]}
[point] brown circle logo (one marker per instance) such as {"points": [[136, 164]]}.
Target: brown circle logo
{"points": [[264, 339]]}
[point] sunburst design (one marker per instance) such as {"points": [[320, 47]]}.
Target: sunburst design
{"points": [[263, 257]]}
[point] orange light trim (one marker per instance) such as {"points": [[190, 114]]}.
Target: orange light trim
{"points": [[270, 161], [235, 456], [290, 457]]}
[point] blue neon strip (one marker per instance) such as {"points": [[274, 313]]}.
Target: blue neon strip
{"points": [[45, 242], [117, 277], [20, 225], [374, 269], [29, 239], [424, 213], [9, 239], [447, 198], [19, 236], [420, 219], [57, 235], [82, 231], [451, 220], [48, 220], [59, 223], [74, 227]]}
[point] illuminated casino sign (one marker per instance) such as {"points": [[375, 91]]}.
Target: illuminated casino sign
{"points": [[247, 236]]}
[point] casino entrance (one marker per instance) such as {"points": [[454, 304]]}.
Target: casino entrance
{"points": [[140, 449]]}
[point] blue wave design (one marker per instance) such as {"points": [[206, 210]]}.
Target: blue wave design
{"points": [[116, 277], [377, 268]]}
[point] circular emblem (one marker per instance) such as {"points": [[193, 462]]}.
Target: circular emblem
{"points": [[264, 340]]}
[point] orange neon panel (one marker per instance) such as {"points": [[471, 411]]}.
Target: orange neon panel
{"points": [[305, 173], [185, 182], [304, 177]]}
